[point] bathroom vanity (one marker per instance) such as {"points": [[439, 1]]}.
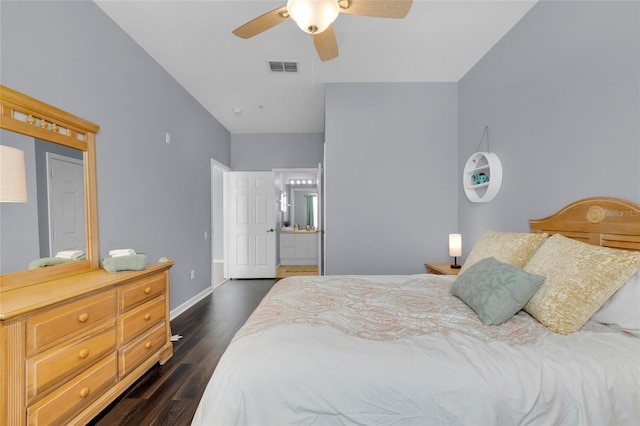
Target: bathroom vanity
{"points": [[298, 247]]}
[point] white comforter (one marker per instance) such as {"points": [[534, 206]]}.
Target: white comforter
{"points": [[386, 350]]}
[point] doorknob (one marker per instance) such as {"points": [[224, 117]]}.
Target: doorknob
{"points": [[270, 230]]}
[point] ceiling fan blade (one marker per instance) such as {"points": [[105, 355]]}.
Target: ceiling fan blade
{"points": [[326, 44], [262, 23], [376, 8]]}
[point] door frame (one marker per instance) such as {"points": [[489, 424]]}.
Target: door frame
{"points": [[217, 167]]}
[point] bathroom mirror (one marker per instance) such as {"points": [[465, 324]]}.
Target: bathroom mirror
{"points": [[304, 206], [48, 136]]}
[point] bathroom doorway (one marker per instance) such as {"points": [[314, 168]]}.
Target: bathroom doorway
{"points": [[299, 219]]}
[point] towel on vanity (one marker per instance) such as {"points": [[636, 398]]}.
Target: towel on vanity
{"points": [[70, 254], [47, 261], [52, 261], [122, 252], [135, 262]]}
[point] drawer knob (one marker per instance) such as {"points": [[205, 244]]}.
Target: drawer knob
{"points": [[148, 345], [83, 353], [84, 392], [83, 317], [147, 317], [147, 290]]}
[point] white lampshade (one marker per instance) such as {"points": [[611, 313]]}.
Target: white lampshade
{"points": [[313, 16], [13, 178], [455, 245]]}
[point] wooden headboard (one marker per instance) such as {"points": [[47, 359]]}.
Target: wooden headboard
{"points": [[601, 221]]}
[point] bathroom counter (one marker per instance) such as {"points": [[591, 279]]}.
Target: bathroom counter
{"points": [[301, 231]]}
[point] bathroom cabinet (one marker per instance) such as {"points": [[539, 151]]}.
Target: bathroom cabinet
{"points": [[298, 248]]}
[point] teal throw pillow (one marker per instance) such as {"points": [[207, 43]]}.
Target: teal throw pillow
{"points": [[495, 290]]}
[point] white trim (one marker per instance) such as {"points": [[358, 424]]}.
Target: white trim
{"points": [[321, 212], [219, 165], [189, 303], [225, 208], [294, 170], [323, 230]]}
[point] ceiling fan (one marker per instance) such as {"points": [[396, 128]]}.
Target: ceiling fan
{"points": [[316, 16]]}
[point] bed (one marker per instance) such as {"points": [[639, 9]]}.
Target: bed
{"points": [[434, 350]]}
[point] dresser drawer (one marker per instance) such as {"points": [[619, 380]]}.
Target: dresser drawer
{"points": [[46, 368], [140, 319], [48, 327], [138, 292], [73, 396], [134, 353]]}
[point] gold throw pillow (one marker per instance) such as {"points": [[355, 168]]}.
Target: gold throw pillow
{"points": [[509, 247], [580, 279]]}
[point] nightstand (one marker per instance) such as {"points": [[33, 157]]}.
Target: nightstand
{"points": [[441, 269]]}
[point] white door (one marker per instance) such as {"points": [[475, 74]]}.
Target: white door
{"points": [[251, 225], [66, 203]]}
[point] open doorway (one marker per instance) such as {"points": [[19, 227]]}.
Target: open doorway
{"points": [[218, 223], [300, 241]]}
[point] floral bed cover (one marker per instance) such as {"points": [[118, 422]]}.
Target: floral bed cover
{"points": [[386, 350]]}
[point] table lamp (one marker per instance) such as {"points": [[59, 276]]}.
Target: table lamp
{"points": [[455, 249]]}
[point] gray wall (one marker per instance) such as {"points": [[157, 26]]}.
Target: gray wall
{"points": [[152, 197], [266, 151], [560, 93], [391, 176], [19, 244]]}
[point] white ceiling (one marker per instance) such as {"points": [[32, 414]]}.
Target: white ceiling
{"points": [[439, 41]]}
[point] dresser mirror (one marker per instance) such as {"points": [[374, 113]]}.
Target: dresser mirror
{"points": [[54, 143]]}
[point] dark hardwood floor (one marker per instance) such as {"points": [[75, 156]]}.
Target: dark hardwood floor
{"points": [[169, 394]]}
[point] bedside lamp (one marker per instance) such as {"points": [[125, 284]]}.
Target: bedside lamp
{"points": [[455, 249], [13, 178]]}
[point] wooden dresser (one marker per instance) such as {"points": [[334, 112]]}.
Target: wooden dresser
{"points": [[70, 346]]}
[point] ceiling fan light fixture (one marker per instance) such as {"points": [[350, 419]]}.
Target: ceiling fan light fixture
{"points": [[313, 16]]}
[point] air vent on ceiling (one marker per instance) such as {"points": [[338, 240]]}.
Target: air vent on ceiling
{"points": [[282, 66]]}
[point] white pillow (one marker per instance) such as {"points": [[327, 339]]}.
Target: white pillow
{"points": [[622, 310]]}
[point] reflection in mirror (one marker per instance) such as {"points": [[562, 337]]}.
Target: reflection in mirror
{"points": [[295, 188], [304, 206], [32, 118], [53, 217]]}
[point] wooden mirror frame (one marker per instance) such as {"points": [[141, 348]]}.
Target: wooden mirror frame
{"points": [[28, 116]]}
